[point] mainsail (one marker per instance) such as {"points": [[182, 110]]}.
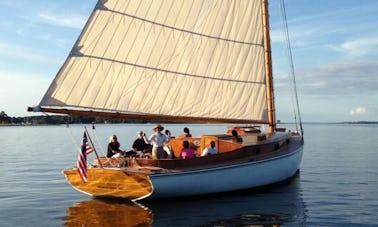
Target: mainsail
{"points": [[173, 60]]}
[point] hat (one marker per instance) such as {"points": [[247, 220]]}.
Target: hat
{"points": [[159, 127]]}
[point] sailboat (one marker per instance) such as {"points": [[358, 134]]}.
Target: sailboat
{"points": [[184, 62]]}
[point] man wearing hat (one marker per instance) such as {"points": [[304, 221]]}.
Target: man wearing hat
{"points": [[158, 141]]}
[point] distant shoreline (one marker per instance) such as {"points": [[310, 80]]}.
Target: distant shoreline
{"points": [[343, 122], [6, 120]]}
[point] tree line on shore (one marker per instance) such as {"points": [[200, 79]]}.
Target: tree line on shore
{"points": [[54, 120], [63, 119]]}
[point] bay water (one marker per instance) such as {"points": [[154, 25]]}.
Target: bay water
{"points": [[337, 184]]}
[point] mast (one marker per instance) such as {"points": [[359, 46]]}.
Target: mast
{"points": [[268, 68]]}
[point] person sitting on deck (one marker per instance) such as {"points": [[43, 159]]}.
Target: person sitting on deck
{"points": [[236, 138], [187, 152], [140, 147], [158, 141], [210, 149], [113, 147], [187, 132]]}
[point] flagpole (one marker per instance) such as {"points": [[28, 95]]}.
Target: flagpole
{"points": [[90, 140]]}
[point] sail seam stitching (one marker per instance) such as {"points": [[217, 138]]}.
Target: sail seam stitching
{"points": [[183, 30], [170, 71]]}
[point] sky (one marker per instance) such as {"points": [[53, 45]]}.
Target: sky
{"points": [[334, 45]]}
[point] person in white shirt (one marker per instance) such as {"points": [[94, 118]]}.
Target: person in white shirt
{"points": [[210, 150], [158, 141]]}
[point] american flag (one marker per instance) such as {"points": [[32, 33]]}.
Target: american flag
{"points": [[82, 159], [88, 148]]}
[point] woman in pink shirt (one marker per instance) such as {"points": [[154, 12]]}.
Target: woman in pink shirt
{"points": [[187, 152]]}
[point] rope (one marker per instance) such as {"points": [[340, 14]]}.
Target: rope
{"points": [[292, 72], [78, 147], [98, 143]]}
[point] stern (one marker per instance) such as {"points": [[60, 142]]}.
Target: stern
{"points": [[111, 183]]}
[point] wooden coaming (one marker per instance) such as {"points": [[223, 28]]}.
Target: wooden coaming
{"points": [[240, 153]]}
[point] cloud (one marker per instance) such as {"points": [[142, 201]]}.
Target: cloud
{"points": [[70, 21], [347, 78], [359, 111], [359, 47], [302, 37], [25, 53], [331, 29]]}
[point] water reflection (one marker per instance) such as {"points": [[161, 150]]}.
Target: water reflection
{"points": [[102, 212], [276, 206]]}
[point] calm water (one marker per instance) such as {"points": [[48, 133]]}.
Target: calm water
{"points": [[337, 184]]}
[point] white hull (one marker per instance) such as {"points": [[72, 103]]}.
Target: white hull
{"points": [[244, 168], [230, 178]]}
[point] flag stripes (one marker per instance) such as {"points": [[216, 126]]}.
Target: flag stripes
{"points": [[89, 149], [82, 158]]}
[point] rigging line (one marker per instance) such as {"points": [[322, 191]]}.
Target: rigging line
{"points": [[283, 10], [170, 71], [285, 41], [180, 29], [78, 147], [98, 143], [92, 145]]}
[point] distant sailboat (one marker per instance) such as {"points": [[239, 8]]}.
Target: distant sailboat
{"points": [[178, 61]]}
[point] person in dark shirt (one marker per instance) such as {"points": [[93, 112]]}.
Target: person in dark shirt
{"points": [[140, 147], [113, 146], [236, 138], [187, 132]]}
